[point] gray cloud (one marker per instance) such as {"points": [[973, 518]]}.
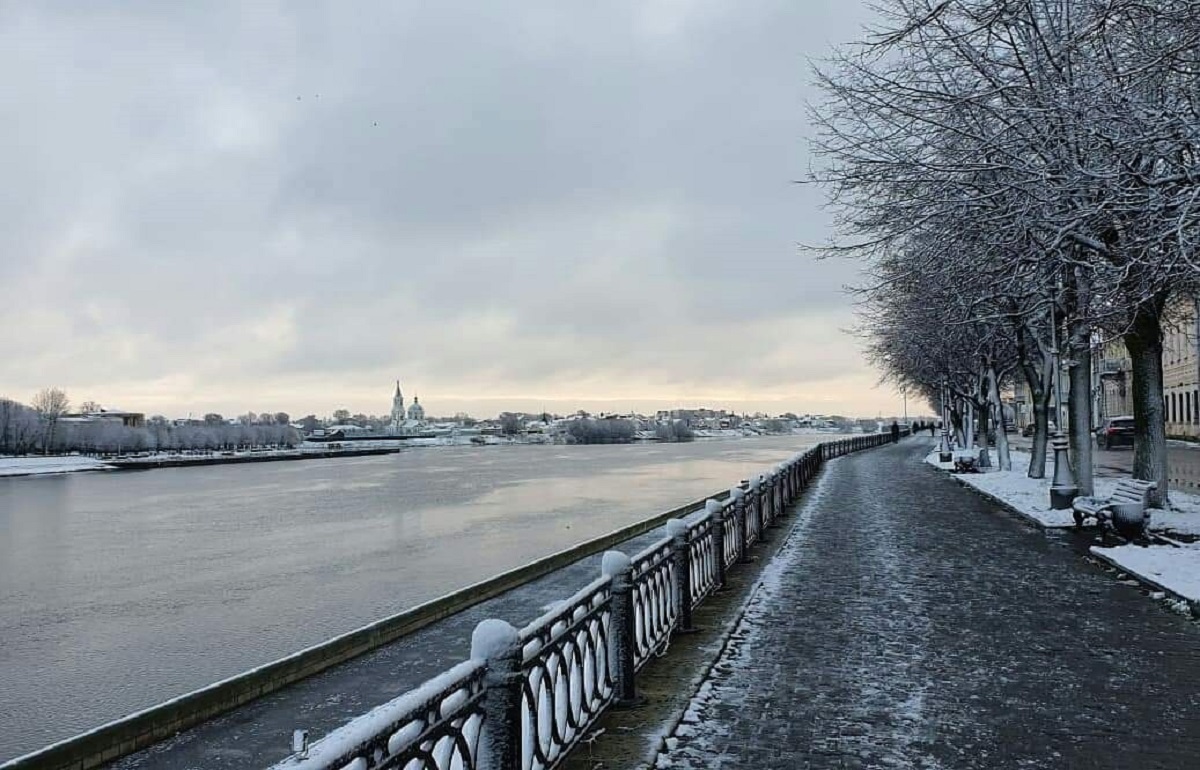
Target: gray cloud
{"points": [[241, 205]]}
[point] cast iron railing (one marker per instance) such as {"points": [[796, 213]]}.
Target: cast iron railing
{"points": [[527, 697]]}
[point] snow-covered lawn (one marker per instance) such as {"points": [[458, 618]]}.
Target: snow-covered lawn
{"points": [[1177, 569], [36, 466]]}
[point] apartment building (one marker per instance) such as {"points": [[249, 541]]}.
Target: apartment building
{"points": [[1181, 369]]}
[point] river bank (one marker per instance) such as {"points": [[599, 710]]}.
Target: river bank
{"points": [[43, 466]]}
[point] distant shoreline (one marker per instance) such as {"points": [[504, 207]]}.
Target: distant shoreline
{"points": [[55, 465], [150, 463], [24, 467]]}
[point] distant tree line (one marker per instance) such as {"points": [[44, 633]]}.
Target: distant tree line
{"points": [[41, 428], [590, 431], [674, 430]]}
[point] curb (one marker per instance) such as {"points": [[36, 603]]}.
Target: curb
{"points": [[1003, 504], [1168, 594], [1146, 582]]}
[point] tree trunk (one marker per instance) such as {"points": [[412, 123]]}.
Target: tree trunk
{"points": [[984, 412], [1002, 452], [1144, 342], [1041, 394], [968, 427], [1079, 408]]}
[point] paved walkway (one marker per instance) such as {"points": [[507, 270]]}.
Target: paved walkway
{"points": [[909, 623]]}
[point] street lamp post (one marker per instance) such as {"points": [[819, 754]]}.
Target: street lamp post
{"points": [[944, 452], [1062, 488]]}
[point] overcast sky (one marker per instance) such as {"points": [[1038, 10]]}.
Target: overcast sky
{"points": [[525, 205]]}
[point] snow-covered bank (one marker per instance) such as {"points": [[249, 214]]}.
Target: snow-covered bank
{"points": [[1173, 567], [39, 466]]}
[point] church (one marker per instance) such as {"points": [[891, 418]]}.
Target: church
{"points": [[403, 421]]}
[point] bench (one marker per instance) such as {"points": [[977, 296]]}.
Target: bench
{"points": [[965, 465], [1126, 511], [965, 461]]}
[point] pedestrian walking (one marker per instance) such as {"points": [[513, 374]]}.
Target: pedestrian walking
{"points": [[895, 432]]}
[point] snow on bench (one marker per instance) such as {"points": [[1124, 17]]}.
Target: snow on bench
{"points": [[1125, 511]]}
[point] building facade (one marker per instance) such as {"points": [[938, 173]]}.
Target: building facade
{"points": [[1181, 369], [1112, 378]]}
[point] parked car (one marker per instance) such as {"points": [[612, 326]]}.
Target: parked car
{"points": [[1028, 430], [1115, 431]]}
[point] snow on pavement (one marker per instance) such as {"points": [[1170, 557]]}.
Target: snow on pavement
{"points": [[1177, 569]]}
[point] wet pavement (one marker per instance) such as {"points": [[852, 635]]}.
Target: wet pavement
{"points": [[909, 623]]}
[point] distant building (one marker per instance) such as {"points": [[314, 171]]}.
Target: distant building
{"points": [[416, 412], [1113, 373], [397, 408], [1181, 369], [128, 419]]}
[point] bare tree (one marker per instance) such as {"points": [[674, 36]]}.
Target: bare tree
{"points": [[50, 404], [1061, 138]]}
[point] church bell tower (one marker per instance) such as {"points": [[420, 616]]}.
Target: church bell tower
{"points": [[397, 407]]}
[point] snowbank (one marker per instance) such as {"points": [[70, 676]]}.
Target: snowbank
{"points": [[1173, 568], [37, 466]]}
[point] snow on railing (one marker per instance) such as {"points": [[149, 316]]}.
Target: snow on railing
{"points": [[436, 725], [702, 556], [655, 605], [566, 677], [526, 698], [730, 528]]}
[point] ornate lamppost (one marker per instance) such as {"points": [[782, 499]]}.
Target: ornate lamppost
{"points": [[1062, 487], [945, 454]]}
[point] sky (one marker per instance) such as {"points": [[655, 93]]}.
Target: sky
{"points": [[536, 205]]}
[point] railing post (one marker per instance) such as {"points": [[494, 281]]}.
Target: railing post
{"points": [[755, 505], [765, 501], [716, 512], [621, 645], [738, 495], [681, 554], [771, 482], [499, 644]]}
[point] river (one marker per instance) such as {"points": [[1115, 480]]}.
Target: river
{"points": [[121, 590]]}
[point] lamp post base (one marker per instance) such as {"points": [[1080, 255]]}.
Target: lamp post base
{"points": [[1063, 488], [1062, 497]]}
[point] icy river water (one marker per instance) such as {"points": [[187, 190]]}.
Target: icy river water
{"points": [[121, 590]]}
